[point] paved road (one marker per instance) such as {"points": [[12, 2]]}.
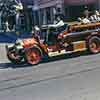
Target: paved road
{"points": [[74, 78]]}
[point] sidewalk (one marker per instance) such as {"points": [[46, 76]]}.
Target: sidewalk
{"points": [[9, 37]]}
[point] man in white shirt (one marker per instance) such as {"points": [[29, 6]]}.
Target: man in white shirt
{"points": [[59, 23]]}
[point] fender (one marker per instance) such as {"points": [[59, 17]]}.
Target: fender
{"points": [[34, 46], [92, 34]]}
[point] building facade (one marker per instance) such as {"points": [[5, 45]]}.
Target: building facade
{"points": [[47, 9], [71, 9], [28, 14]]}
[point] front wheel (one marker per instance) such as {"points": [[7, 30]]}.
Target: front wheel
{"points": [[94, 44], [33, 56]]}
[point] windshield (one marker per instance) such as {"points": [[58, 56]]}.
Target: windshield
{"points": [[46, 34]]}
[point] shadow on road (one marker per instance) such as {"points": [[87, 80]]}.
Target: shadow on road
{"points": [[49, 60], [11, 65]]}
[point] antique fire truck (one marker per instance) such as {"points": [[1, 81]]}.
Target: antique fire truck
{"points": [[75, 37]]}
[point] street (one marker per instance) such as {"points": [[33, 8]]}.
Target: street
{"points": [[66, 78]]}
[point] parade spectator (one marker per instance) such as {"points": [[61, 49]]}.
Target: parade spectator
{"points": [[7, 26], [18, 7]]}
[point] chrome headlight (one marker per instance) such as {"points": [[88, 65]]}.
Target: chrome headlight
{"points": [[19, 42]]}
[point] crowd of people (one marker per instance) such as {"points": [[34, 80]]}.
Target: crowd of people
{"points": [[89, 16], [9, 14]]}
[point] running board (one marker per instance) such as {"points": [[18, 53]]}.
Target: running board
{"points": [[62, 52]]}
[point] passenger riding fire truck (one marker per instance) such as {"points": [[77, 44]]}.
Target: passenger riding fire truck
{"points": [[75, 37]]}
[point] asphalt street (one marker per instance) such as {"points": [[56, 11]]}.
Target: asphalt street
{"points": [[71, 77]]}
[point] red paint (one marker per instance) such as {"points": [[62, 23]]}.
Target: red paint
{"points": [[29, 41]]}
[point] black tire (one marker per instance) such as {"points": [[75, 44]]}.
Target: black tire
{"points": [[94, 44]]}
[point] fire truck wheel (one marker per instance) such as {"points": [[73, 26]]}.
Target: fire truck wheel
{"points": [[94, 44], [33, 56]]}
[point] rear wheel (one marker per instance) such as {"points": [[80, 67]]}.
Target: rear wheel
{"points": [[94, 44], [33, 56]]}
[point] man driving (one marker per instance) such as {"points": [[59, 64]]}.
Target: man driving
{"points": [[59, 23]]}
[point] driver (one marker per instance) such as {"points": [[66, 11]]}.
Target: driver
{"points": [[59, 23]]}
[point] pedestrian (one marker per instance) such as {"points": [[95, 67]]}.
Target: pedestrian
{"points": [[18, 7], [7, 26]]}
